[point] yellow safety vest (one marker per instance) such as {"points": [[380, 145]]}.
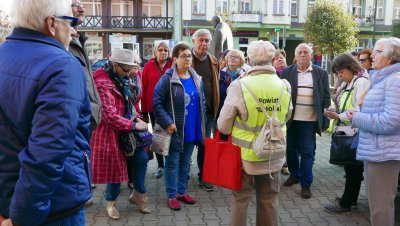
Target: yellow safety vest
{"points": [[267, 88]]}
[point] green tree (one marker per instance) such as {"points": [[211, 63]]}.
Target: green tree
{"points": [[330, 28], [396, 29]]}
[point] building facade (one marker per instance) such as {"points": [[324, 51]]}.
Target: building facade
{"points": [[282, 21], [129, 24]]}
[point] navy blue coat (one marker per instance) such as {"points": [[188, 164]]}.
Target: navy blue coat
{"points": [[44, 129], [322, 98], [162, 109]]}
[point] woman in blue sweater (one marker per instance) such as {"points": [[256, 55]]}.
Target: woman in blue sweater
{"points": [[185, 121]]}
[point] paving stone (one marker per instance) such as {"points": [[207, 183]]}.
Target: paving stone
{"points": [[213, 208]]}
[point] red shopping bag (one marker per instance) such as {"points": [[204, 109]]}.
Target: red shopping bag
{"points": [[222, 163]]}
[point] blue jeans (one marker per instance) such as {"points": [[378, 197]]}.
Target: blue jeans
{"points": [[78, 219], [200, 148], [301, 141], [112, 191], [176, 171], [138, 168]]}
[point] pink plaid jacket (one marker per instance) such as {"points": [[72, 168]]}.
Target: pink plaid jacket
{"points": [[108, 163]]}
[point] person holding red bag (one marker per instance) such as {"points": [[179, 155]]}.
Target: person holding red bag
{"points": [[241, 117]]}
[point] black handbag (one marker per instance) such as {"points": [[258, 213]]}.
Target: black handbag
{"points": [[344, 147], [343, 152]]}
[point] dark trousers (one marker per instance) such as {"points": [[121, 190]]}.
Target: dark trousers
{"points": [[352, 186], [160, 158], [301, 143], [200, 153]]}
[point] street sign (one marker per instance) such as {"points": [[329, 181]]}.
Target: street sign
{"points": [[278, 29]]}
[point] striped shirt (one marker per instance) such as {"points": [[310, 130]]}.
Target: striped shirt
{"points": [[305, 97]]}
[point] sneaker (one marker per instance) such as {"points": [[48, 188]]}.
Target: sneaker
{"points": [[306, 192], [336, 208], [285, 170], [159, 172], [186, 199], [173, 204], [291, 181], [206, 186], [353, 204]]}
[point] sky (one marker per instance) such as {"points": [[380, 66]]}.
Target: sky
{"points": [[5, 5]]}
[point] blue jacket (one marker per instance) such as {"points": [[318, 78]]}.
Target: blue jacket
{"points": [[162, 105], [379, 120], [44, 129]]}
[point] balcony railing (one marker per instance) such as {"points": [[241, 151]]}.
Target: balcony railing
{"points": [[128, 22]]}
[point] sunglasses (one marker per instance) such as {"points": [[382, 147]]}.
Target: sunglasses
{"points": [[73, 20], [362, 60], [125, 68]]}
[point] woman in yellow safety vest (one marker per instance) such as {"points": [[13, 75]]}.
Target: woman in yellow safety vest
{"points": [[348, 95]]}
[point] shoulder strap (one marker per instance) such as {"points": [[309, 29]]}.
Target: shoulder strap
{"points": [[351, 89], [258, 102], [172, 99]]}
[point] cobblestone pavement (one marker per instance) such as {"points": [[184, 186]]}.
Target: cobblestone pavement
{"points": [[213, 208]]}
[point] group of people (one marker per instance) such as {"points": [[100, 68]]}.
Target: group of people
{"points": [[60, 124]]}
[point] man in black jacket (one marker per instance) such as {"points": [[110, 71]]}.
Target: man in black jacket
{"points": [[76, 48], [310, 95]]}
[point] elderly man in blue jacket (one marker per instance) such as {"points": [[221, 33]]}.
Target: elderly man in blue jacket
{"points": [[44, 119]]}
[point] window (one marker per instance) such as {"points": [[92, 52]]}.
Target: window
{"points": [[152, 9], [379, 11], [121, 7], [198, 9], [357, 8], [278, 7], [92, 7], [293, 8], [396, 12], [244, 6], [221, 6]]}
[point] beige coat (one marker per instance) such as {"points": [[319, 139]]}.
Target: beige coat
{"points": [[237, 106]]}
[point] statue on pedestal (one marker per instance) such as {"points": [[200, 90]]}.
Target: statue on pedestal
{"points": [[222, 38]]}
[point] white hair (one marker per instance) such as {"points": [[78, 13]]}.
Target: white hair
{"points": [[302, 45], [31, 14], [201, 32], [260, 53], [391, 48]]}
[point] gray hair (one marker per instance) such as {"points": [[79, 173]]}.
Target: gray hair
{"points": [[201, 32], [302, 45], [260, 53], [236, 52], [391, 48], [163, 44], [32, 14]]}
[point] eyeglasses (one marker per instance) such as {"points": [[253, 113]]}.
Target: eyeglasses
{"points": [[77, 5], [163, 50], [73, 20], [125, 68], [363, 60], [186, 56], [377, 51], [234, 57]]}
